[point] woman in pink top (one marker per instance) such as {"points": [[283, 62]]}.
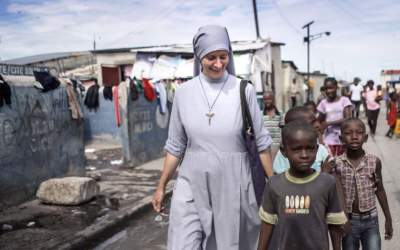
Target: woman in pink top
{"points": [[372, 99], [332, 112]]}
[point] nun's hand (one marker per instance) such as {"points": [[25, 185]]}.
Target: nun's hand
{"points": [[158, 199]]}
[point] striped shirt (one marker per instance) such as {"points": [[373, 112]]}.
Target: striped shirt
{"points": [[361, 177]]}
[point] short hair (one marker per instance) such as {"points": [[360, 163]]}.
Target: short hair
{"points": [[346, 122], [269, 92], [292, 127], [312, 103], [296, 113], [330, 79]]}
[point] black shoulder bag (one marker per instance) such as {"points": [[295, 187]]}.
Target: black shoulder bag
{"points": [[257, 170]]}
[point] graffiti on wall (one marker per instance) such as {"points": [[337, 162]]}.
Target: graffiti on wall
{"points": [[148, 130], [38, 140]]}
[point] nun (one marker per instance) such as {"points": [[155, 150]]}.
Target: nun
{"points": [[213, 204]]}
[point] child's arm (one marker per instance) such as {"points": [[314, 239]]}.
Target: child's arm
{"points": [[346, 114], [382, 198], [265, 235], [328, 168], [336, 236]]}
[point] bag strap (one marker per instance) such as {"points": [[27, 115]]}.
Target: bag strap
{"points": [[246, 115]]}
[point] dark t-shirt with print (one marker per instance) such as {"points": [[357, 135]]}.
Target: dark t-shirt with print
{"points": [[301, 208]]}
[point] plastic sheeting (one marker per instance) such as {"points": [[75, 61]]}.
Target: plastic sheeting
{"points": [[185, 69], [165, 67], [243, 64]]}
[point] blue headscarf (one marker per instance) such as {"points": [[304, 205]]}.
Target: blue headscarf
{"points": [[208, 39]]}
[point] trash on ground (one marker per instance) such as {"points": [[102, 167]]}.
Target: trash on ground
{"points": [[90, 150], [116, 162], [7, 227], [31, 224]]}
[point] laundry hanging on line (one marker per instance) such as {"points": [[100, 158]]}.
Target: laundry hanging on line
{"points": [[5, 92], [46, 80], [92, 97]]}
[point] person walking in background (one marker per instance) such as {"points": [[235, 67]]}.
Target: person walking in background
{"points": [[312, 107], [356, 90], [360, 175], [322, 94], [332, 112], [392, 114], [269, 105], [293, 92], [372, 99], [213, 204]]}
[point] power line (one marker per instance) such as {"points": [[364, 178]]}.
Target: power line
{"points": [[285, 19]]}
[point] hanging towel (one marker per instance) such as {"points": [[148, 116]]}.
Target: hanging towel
{"points": [[46, 80], [116, 105], [107, 93], [92, 97], [5, 92], [76, 112], [149, 92], [161, 96]]}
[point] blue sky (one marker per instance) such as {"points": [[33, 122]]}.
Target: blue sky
{"points": [[365, 34]]}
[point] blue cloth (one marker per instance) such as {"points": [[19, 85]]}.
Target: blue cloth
{"points": [[281, 163], [364, 230]]}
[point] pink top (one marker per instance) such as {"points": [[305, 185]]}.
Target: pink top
{"points": [[370, 96], [333, 112]]}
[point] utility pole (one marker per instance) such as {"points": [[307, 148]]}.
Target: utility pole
{"points": [[256, 19], [307, 40]]}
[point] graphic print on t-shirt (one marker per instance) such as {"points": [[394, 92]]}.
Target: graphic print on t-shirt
{"points": [[297, 204]]}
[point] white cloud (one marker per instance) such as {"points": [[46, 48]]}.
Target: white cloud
{"points": [[365, 34]]}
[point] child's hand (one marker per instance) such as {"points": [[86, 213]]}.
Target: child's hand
{"points": [[388, 230], [328, 165]]}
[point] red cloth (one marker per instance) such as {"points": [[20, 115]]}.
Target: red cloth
{"points": [[116, 105], [149, 92], [336, 150], [392, 114]]}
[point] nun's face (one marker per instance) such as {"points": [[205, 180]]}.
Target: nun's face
{"points": [[214, 63]]}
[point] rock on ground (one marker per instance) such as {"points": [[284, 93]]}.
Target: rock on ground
{"points": [[68, 190]]}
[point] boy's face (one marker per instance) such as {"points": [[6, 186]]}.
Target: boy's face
{"points": [[311, 108], [268, 100], [353, 135], [301, 150]]}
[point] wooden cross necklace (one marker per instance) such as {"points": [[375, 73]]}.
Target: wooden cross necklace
{"points": [[211, 114]]}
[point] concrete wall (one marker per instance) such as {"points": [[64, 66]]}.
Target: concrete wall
{"points": [[38, 141], [145, 131], [278, 75], [101, 124]]}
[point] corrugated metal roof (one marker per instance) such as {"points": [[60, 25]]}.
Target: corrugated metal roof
{"points": [[43, 57], [237, 46]]}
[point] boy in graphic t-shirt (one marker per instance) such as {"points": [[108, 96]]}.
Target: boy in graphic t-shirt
{"points": [[299, 204]]}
